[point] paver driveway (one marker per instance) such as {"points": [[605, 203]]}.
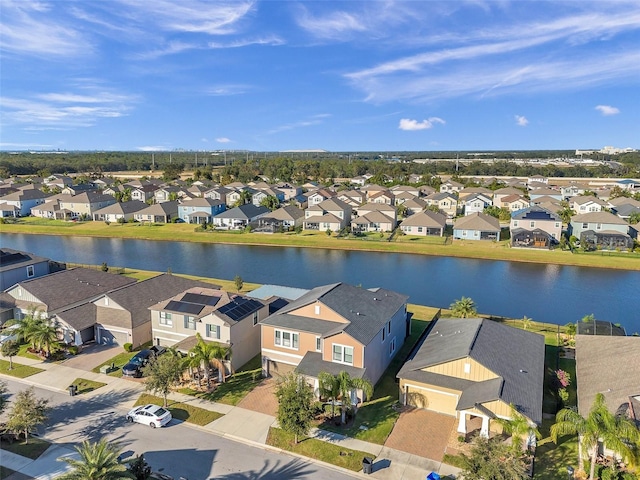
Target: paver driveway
{"points": [[262, 398], [93, 356]]}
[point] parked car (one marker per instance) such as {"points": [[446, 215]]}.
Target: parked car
{"points": [[139, 360], [8, 333], [152, 415]]}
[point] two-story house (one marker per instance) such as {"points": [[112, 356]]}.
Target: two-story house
{"points": [[446, 202], [476, 202], [333, 328], [119, 211], [587, 204], [332, 214], [535, 227], [228, 319], [24, 200], [601, 230], [200, 209], [451, 186], [17, 266], [86, 204]]}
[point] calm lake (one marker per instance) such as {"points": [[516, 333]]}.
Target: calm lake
{"points": [[549, 293]]}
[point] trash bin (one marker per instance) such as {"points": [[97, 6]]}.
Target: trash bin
{"points": [[73, 389], [367, 465]]}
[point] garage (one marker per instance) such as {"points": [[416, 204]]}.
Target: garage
{"points": [[441, 402], [111, 337]]}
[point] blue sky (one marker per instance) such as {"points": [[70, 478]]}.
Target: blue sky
{"points": [[340, 76]]}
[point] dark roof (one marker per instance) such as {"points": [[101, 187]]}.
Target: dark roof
{"points": [[312, 364], [80, 317], [303, 324], [515, 356], [10, 259], [137, 298], [246, 212], [535, 213], [68, 287], [366, 311]]}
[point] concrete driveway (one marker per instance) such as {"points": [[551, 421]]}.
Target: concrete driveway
{"points": [[93, 356]]}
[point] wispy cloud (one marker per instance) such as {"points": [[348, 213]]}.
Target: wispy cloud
{"points": [[607, 110], [226, 90], [223, 140], [314, 120], [413, 125], [272, 41], [29, 28], [521, 120], [332, 26]]}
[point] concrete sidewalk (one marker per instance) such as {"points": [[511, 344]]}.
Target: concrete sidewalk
{"points": [[236, 423]]}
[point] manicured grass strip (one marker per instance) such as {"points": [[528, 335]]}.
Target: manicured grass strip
{"points": [[458, 248], [22, 352], [5, 472], [18, 371], [551, 459], [182, 411], [313, 448], [236, 387], [120, 360], [86, 386], [377, 416], [32, 450]]}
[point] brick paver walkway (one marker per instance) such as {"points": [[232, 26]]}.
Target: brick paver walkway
{"points": [[262, 398], [421, 432]]}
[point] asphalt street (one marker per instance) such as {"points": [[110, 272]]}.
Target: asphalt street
{"points": [[177, 449]]}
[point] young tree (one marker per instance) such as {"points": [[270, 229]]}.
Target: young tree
{"points": [[490, 459], [465, 307], [163, 373], [3, 398], [271, 202], [139, 468], [98, 461], [617, 432], [329, 388], [210, 355], [519, 428], [27, 325], [295, 397], [342, 385], [45, 336], [27, 412], [238, 282], [10, 349]]}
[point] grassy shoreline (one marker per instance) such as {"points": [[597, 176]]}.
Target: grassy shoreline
{"points": [[411, 245]]}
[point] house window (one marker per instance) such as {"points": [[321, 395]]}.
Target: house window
{"points": [[532, 224], [585, 225], [419, 229], [286, 339], [106, 301], [557, 224], [515, 223], [343, 354], [255, 318], [464, 233], [30, 271], [213, 331], [189, 322], [389, 327], [384, 333], [392, 346], [165, 319], [467, 368], [318, 344], [599, 226], [317, 309]]}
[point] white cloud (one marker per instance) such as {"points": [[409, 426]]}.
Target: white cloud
{"points": [[413, 125], [153, 148], [607, 110], [313, 120], [521, 120], [332, 26], [226, 90], [223, 140], [270, 41]]}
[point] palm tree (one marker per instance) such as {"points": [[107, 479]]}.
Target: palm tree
{"points": [[329, 387], [45, 335], [98, 461], [210, 355], [526, 322], [344, 384], [518, 426], [617, 432], [27, 325], [464, 308]]}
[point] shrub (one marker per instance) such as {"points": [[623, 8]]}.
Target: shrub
{"points": [[564, 379], [73, 349], [121, 220], [128, 347], [564, 395]]}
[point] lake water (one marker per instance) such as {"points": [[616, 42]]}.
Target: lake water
{"points": [[548, 293]]}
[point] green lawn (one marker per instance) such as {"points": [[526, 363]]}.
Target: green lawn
{"points": [[313, 448], [182, 411], [18, 371], [236, 387], [377, 416], [23, 352], [551, 459], [86, 386], [5, 472], [120, 360], [33, 449]]}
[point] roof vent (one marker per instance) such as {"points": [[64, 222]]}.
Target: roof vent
{"points": [[357, 313]]}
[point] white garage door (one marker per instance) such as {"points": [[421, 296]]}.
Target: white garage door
{"points": [[112, 337]]}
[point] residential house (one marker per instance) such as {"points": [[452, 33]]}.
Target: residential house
{"points": [[415, 205], [573, 190], [318, 196], [383, 208], [24, 200], [405, 189], [476, 368], [545, 199], [446, 202], [535, 227], [289, 190], [415, 178], [144, 192], [240, 217], [229, 319], [361, 180], [451, 186], [218, 193], [236, 196], [79, 189], [372, 190], [385, 197], [601, 230], [629, 184], [538, 179], [586, 204], [17, 266], [119, 210], [467, 192], [501, 193], [86, 204], [545, 192], [333, 328], [169, 193], [476, 202], [103, 182], [424, 223], [200, 210], [401, 197], [375, 221], [7, 211], [197, 191], [477, 226], [426, 190], [355, 198], [332, 214], [625, 211], [513, 203], [287, 217], [163, 212], [262, 194], [604, 364], [58, 181]]}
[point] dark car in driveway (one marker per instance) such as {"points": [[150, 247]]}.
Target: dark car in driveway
{"points": [[139, 360]]}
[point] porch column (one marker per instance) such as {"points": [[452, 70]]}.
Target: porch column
{"points": [[462, 423], [484, 430]]}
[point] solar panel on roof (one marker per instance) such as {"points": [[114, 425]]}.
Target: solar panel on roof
{"points": [[184, 307], [239, 308], [7, 258], [200, 299]]}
